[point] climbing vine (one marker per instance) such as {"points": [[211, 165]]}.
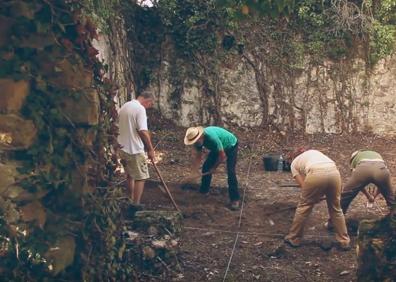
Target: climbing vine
{"points": [[195, 30], [286, 35], [102, 12]]}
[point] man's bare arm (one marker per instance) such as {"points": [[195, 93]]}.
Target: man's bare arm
{"points": [[146, 138], [196, 156], [370, 196], [299, 179]]}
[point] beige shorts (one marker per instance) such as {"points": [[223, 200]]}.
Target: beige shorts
{"points": [[135, 165]]}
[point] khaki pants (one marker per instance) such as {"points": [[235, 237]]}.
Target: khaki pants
{"points": [[320, 182], [364, 174]]}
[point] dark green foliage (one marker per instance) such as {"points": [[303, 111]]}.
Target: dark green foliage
{"points": [[102, 12], [149, 33], [297, 31], [192, 29], [228, 42], [259, 7], [192, 25]]}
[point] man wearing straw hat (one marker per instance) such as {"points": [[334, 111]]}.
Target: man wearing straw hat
{"points": [[318, 176], [223, 147], [135, 138], [367, 167]]}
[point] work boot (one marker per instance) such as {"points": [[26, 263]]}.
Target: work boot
{"points": [[133, 208], [329, 226], [136, 207], [235, 205], [344, 247], [290, 243], [205, 192]]}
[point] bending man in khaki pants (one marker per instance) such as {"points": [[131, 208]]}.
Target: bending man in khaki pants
{"points": [[317, 176], [367, 167]]}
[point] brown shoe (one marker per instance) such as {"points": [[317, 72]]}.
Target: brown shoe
{"points": [[344, 247], [329, 226], [291, 244]]}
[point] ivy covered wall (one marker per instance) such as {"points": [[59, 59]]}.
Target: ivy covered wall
{"points": [[320, 66], [57, 139]]}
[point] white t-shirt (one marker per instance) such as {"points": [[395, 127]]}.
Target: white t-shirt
{"points": [[131, 119], [309, 159]]}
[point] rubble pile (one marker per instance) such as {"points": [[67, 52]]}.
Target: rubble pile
{"points": [[152, 243], [377, 249]]}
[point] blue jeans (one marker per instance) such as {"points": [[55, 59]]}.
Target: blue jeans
{"points": [[231, 154]]}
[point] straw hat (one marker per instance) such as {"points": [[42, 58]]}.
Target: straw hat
{"points": [[193, 134]]}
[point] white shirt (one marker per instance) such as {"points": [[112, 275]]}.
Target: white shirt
{"points": [[307, 160], [131, 119]]}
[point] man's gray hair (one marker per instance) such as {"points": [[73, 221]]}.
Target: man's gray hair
{"points": [[146, 94]]}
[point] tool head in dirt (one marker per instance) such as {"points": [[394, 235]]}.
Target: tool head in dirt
{"points": [[189, 180], [190, 186]]}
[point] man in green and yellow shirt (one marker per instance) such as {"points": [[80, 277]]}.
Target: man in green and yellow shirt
{"points": [[367, 167], [223, 147]]}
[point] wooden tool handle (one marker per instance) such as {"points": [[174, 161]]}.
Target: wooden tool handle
{"points": [[165, 186]]}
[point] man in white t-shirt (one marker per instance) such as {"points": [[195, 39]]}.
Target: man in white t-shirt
{"points": [[318, 176], [135, 139]]}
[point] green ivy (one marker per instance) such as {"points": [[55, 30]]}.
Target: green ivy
{"points": [[313, 29], [382, 41], [193, 25], [386, 11], [383, 31], [102, 12]]}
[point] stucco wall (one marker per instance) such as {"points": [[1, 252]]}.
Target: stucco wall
{"points": [[333, 98]]}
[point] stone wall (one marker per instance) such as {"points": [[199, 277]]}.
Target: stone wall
{"points": [[336, 97], [18, 205], [15, 131], [49, 114]]}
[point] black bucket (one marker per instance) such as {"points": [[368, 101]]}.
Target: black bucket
{"points": [[271, 161], [286, 165]]}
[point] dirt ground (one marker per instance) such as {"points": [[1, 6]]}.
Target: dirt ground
{"points": [[212, 231]]}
